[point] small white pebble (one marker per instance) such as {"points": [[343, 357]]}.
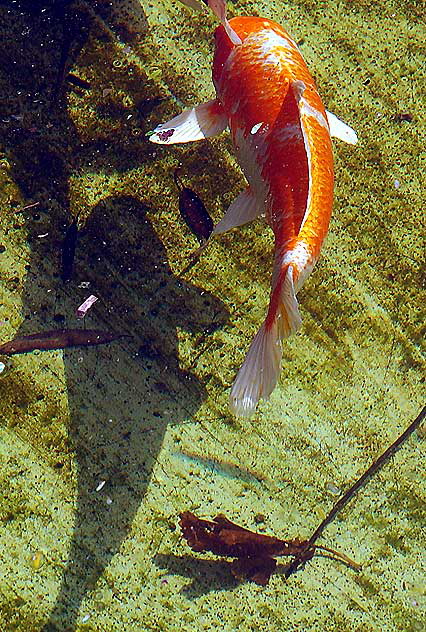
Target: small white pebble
{"points": [[2, 367], [109, 501], [99, 487], [333, 489], [37, 560], [85, 618], [396, 184]]}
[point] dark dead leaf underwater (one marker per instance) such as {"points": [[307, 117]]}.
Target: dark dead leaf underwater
{"points": [[193, 211], [254, 553]]}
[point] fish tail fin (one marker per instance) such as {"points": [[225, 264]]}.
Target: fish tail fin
{"points": [[259, 373], [219, 9]]}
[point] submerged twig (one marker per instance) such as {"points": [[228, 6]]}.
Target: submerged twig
{"points": [[352, 491], [194, 258], [58, 339], [26, 207], [77, 81]]}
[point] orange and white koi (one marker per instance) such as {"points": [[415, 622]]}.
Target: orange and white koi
{"points": [[281, 133]]}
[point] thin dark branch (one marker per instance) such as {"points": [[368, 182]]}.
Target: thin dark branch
{"points": [[352, 491]]}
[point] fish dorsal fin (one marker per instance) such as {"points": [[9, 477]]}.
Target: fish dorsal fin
{"points": [[306, 111], [339, 129], [203, 121]]}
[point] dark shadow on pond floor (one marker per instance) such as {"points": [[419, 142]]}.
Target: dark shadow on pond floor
{"points": [[207, 575], [121, 396]]}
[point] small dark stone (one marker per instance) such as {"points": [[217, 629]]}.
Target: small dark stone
{"points": [[403, 117]]}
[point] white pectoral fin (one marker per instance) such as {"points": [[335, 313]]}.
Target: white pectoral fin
{"points": [[203, 121], [339, 129], [243, 209]]}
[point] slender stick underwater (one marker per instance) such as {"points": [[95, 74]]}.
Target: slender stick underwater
{"points": [[352, 491]]}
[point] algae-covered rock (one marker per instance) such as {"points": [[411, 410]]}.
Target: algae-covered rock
{"points": [[102, 447]]}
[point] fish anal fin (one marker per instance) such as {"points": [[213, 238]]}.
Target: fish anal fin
{"points": [[243, 209], [289, 319], [340, 130], [203, 121]]}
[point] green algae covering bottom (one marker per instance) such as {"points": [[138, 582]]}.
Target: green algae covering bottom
{"points": [[101, 448]]}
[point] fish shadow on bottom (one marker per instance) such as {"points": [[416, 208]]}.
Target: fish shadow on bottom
{"points": [[121, 396]]}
